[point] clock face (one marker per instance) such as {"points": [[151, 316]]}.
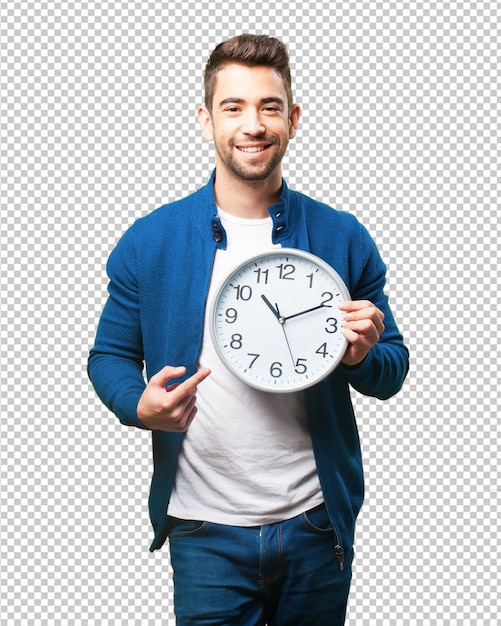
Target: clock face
{"points": [[275, 321]]}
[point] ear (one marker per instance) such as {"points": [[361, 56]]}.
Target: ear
{"points": [[294, 116], [205, 121]]}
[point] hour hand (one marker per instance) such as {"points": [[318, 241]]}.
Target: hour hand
{"points": [[273, 309]]}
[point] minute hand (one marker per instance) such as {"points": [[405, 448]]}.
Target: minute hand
{"points": [[288, 317]]}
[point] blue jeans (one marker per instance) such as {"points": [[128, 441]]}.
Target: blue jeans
{"points": [[283, 574]]}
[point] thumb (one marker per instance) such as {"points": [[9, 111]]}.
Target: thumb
{"points": [[167, 373]]}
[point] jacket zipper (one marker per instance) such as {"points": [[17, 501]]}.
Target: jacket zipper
{"points": [[340, 556], [338, 547]]}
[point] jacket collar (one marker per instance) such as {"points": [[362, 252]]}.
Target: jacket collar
{"points": [[283, 214]]}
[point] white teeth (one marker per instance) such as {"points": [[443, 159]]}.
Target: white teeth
{"points": [[252, 149]]}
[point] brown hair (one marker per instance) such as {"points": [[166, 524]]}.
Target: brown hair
{"points": [[252, 51]]}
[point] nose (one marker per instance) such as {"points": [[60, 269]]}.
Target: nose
{"points": [[252, 124]]}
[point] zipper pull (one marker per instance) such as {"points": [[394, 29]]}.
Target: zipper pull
{"points": [[340, 556]]}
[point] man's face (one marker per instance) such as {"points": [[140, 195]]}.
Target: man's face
{"points": [[250, 122]]}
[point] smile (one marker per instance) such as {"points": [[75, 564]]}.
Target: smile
{"points": [[252, 148]]}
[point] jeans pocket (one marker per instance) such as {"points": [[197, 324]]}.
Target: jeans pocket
{"points": [[318, 520], [185, 527]]}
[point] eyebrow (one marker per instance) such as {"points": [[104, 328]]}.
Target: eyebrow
{"points": [[273, 99]]}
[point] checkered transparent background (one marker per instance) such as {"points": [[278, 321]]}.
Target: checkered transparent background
{"points": [[400, 127]]}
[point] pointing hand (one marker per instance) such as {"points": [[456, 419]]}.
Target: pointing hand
{"points": [[171, 408]]}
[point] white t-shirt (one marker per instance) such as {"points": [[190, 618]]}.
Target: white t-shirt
{"points": [[247, 458]]}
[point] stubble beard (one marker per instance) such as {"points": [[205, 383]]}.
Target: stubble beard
{"points": [[252, 172]]}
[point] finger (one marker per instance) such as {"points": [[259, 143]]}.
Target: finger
{"points": [[167, 373], [173, 386], [184, 408], [354, 305], [188, 387], [364, 327], [187, 414], [362, 321], [189, 418], [350, 335], [368, 311], [357, 306], [199, 376], [361, 333]]}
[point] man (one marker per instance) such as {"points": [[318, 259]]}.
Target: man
{"points": [[258, 492]]}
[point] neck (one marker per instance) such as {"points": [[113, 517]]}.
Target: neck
{"points": [[244, 198]]}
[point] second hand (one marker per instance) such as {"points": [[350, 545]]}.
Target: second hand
{"points": [[282, 324]]}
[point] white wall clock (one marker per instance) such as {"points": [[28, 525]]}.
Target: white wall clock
{"points": [[275, 321]]}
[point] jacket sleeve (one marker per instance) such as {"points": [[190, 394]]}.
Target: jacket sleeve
{"points": [[115, 364], [385, 367]]}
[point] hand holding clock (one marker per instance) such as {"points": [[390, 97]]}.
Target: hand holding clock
{"points": [[362, 327], [328, 329]]}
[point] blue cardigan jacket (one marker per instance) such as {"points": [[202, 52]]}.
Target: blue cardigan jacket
{"points": [[159, 276]]}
